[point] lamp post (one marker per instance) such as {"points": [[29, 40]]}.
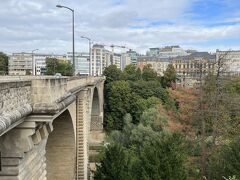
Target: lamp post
{"points": [[90, 54], [33, 63], [73, 39]]}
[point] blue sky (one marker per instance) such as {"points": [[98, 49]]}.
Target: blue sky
{"points": [[205, 25]]}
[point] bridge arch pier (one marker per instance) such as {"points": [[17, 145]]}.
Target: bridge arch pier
{"points": [[60, 149]]}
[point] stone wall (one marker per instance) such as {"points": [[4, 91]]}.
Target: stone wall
{"points": [[15, 102]]}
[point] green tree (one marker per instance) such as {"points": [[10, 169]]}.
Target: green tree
{"points": [[113, 164], [3, 64], [132, 73], [112, 73], [169, 76], [148, 73], [117, 104], [227, 161], [54, 66], [163, 159], [151, 117]]}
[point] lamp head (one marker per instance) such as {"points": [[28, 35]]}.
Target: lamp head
{"points": [[59, 6]]}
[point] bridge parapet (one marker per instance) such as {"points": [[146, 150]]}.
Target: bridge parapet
{"points": [[74, 83], [15, 102], [22, 95]]}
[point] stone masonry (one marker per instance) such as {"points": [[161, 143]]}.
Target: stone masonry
{"points": [[35, 142]]}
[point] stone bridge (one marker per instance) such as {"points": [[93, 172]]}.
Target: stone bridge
{"points": [[47, 126]]}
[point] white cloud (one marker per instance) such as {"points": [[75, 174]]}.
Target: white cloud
{"points": [[29, 24]]}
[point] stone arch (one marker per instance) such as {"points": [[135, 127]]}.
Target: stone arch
{"points": [[95, 122], [96, 130], [60, 149]]}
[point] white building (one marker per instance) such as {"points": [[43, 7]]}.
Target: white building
{"points": [[101, 58], [117, 60], [82, 62], [125, 60], [28, 63], [167, 52]]}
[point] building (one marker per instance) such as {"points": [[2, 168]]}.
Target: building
{"points": [[125, 60], [230, 61], [117, 60], [101, 58], [191, 68], [167, 52], [28, 63], [158, 64], [20, 64], [133, 55], [82, 62], [40, 62]]}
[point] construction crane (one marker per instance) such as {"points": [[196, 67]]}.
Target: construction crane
{"points": [[113, 46]]}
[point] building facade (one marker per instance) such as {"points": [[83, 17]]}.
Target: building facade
{"points": [[158, 64], [133, 55], [21, 64], [230, 61], [167, 52], [191, 68], [125, 60], [28, 63], [101, 58], [82, 62]]}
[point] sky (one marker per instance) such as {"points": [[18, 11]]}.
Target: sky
{"points": [[203, 25]]}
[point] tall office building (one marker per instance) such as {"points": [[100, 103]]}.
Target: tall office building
{"points": [[101, 58], [133, 55], [125, 60]]}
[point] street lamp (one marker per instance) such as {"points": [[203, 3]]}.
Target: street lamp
{"points": [[90, 54], [73, 45], [33, 63]]}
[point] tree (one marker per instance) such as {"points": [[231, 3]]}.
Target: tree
{"points": [[148, 73], [113, 164], [169, 76], [117, 104], [163, 158], [132, 73], [112, 73], [151, 117], [54, 66], [3, 64], [226, 161]]}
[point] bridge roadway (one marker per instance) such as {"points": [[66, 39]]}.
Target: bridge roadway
{"points": [[47, 126]]}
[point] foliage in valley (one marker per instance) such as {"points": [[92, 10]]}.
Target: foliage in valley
{"points": [[158, 132]]}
